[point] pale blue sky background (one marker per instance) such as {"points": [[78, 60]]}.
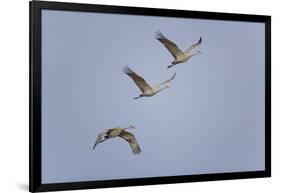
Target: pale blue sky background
{"points": [[210, 121]]}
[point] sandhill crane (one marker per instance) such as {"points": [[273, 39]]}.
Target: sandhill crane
{"points": [[146, 89], [119, 132], [180, 56]]}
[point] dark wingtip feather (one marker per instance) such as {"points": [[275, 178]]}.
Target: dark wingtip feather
{"points": [[126, 69], [159, 35], [137, 151], [200, 40]]}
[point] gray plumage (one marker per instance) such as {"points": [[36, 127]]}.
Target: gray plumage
{"points": [[179, 55], [146, 89]]}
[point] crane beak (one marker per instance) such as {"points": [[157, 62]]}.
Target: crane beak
{"points": [[170, 66], [137, 97], [95, 145]]}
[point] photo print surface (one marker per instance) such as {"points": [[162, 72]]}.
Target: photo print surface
{"points": [[103, 117]]}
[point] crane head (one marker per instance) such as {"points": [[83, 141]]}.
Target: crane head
{"points": [[101, 138]]}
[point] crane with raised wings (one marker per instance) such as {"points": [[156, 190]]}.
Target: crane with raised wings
{"points": [[179, 55], [119, 132], [146, 89]]}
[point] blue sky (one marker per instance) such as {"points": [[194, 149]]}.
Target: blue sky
{"points": [[210, 120]]}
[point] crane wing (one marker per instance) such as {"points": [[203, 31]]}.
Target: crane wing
{"points": [[171, 46], [130, 138], [192, 47], [140, 82]]}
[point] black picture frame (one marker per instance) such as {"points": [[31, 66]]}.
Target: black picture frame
{"points": [[35, 184]]}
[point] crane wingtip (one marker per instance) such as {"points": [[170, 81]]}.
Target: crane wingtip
{"points": [[159, 35], [126, 69]]}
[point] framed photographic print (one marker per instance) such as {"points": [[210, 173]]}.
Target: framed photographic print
{"points": [[126, 96]]}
